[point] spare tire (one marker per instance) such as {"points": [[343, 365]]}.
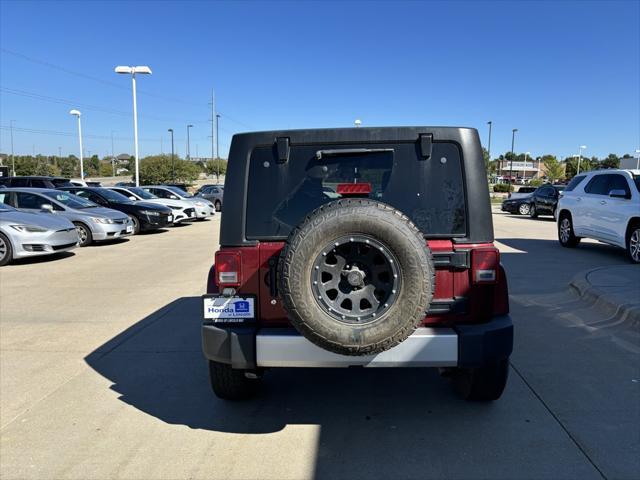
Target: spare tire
{"points": [[356, 277]]}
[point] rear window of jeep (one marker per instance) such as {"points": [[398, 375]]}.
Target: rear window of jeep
{"points": [[430, 192]]}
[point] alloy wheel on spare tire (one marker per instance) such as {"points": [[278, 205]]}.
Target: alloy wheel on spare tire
{"points": [[356, 277]]}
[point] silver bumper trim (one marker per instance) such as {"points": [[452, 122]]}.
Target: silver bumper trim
{"points": [[426, 347]]}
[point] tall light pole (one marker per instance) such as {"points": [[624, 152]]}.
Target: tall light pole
{"points": [[582, 147], [173, 168], [217, 148], [77, 113], [143, 70], [188, 143], [13, 160], [113, 157], [490, 123], [513, 140]]}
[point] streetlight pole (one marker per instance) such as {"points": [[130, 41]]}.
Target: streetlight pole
{"points": [[132, 71], [13, 160], [77, 113], [188, 143], [513, 139], [173, 168], [490, 123], [582, 147]]}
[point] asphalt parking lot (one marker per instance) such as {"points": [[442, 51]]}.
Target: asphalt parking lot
{"points": [[102, 377]]}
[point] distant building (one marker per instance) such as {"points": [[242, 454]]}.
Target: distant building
{"points": [[123, 158], [629, 163]]}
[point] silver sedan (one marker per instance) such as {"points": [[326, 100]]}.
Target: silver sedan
{"points": [[30, 234], [93, 222]]}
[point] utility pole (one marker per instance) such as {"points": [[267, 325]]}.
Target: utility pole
{"points": [[173, 167], [113, 157], [213, 119], [217, 149], [13, 160], [188, 143]]}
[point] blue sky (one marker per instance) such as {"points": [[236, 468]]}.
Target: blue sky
{"points": [[564, 73]]}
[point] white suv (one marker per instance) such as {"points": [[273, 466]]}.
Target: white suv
{"points": [[603, 205]]}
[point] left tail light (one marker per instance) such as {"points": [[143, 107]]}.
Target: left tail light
{"points": [[228, 269], [485, 264]]}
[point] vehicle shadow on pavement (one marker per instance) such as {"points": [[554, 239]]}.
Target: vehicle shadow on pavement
{"points": [[40, 259], [372, 423]]}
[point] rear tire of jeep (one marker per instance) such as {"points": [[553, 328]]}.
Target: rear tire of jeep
{"points": [[356, 277], [482, 384], [231, 384]]}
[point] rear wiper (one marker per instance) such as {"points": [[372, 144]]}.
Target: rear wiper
{"points": [[350, 151]]}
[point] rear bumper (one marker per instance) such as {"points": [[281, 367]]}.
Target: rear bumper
{"points": [[460, 346]]}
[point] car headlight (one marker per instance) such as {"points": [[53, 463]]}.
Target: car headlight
{"points": [[29, 228], [151, 213], [102, 220]]}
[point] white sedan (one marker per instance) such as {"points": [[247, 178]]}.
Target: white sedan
{"points": [[183, 210]]}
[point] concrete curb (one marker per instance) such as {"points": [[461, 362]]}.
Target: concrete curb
{"points": [[623, 302]]}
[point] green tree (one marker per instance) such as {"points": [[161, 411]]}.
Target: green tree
{"points": [[554, 170], [612, 161], [105, 168], [161, 169], [215, 167]]}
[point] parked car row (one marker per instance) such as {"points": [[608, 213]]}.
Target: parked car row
{"points": [[67, 216]]}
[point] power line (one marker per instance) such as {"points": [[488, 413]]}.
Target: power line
{"points": [[89, 77], [116, 85], [73, 103]]}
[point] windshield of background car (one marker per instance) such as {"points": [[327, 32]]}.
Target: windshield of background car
{"points": [[180, 192], [430, 191], [113, 196], [70, 200], [143, 193]]}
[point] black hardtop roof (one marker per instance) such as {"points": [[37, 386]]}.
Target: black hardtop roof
{"points": [[360, 134]]}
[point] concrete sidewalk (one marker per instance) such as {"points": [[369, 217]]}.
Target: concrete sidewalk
{"points": [[613, 289]]}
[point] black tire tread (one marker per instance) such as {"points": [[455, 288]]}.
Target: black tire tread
{"points": [[483, 384]]}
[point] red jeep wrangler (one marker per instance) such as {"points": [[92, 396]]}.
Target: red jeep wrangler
{"points": [[351, 247]]}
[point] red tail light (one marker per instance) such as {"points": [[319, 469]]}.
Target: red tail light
{"points": [[484, 266], [228, 269], [346, 189]]}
